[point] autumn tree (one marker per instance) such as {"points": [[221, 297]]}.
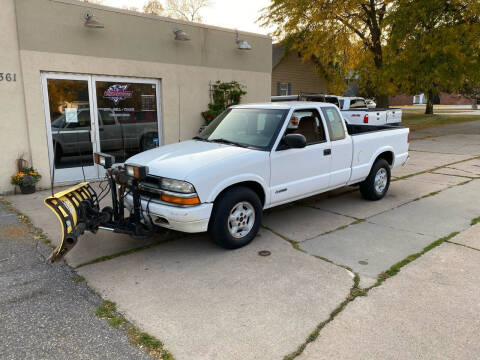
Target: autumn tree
{"points": [[188, 10], [342, 35], [153, 7], [434, 47]]}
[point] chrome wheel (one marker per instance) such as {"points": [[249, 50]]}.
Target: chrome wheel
{"points": [[241, 219], [381, 179]]}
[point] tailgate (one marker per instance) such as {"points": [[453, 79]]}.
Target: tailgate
{"points": [[394, 116]]}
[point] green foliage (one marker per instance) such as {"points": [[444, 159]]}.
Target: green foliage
{"points": [[223, 95], [342, 36], [386, 46], [434, 46]]}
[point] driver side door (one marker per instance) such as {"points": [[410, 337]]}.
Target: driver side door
{"points": [[297, 173]]}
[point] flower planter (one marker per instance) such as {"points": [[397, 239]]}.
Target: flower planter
{"points": [[27, 189]]}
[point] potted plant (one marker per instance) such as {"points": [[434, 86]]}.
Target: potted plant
{"points": [[222, 96], [26, 179]]}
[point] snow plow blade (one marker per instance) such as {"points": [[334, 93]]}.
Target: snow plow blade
{"points": [[72, 208]]}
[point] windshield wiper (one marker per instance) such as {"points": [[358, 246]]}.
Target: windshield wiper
{"points": [[199, 138], [228, 142]]}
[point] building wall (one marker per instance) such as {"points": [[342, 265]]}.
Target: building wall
{"points": [[51, 38], [399, 100], [56, 26], [454, 99], [302, 76], [184, 92], [13, 126]]}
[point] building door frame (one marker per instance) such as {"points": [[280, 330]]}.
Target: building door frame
{"points": [[90, 172], [72, 173]]}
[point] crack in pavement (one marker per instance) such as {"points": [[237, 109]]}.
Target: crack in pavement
{"points": [[463, 245]]}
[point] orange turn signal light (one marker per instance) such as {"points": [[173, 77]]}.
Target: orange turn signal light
{"points": [[180, 200]]}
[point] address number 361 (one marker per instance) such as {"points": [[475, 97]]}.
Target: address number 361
{"points": [[8, 77]]}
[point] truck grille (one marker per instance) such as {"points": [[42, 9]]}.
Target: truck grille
{"points": [[150, 188]]}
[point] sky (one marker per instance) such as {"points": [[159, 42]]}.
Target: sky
{"points": [[232, 14]]}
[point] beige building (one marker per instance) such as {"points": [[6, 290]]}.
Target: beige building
{"points": [[68, 90], [292, 76]]}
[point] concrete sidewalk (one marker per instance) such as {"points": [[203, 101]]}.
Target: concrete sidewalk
{"points": [[430, 310]]}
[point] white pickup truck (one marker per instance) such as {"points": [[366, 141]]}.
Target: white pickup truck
{"points": [[356, 111], [250, 158], [254, 157]]}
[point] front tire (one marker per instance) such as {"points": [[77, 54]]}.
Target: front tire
{"points": [[376, 185], [236, 218]]}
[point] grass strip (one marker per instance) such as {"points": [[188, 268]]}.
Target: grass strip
{"points": [[108, 310], [417, 121], [355, 291], [475, 221], [126, 252]]}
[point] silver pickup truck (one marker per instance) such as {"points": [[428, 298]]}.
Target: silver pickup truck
{"points": [[127, 132]]}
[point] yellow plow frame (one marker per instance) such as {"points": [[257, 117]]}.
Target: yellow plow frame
{"points": [[70, 207]]}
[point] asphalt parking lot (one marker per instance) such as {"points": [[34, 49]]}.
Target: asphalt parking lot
{"points": [[207, 303]]}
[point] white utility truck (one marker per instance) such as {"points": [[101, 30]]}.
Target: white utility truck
{"points": [[250, 158], [355, 110]]}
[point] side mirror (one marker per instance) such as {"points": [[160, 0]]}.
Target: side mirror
{"points": [[295, 141]]}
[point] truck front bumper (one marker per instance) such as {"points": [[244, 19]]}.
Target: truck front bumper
{"points": [[190, 219]]}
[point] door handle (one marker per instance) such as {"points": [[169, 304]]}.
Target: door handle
{"points": [[327, 152]]}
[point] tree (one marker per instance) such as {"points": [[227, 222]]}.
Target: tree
{"points": [[188, 10], [434, 47], [153, 7], [345, 36]]}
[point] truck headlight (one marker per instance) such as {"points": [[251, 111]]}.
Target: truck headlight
{"points": [[177, 186], [136, 171]]}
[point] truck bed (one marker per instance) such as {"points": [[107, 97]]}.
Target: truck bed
{"points": [[354, 130], [371, 140]]}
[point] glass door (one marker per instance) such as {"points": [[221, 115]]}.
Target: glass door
{"points": [[128, 115], [71, 135], [86, 114]]}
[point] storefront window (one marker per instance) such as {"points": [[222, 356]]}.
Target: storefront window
{"points": [[128, 122]]}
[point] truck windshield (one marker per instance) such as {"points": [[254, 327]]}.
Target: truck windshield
{"points": [[255, 128]]}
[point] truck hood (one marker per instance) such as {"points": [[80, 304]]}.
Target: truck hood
{"points": [[177, 160]]}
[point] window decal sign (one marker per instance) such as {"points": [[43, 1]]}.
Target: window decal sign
{"points": [[117, 92], [71, 115]]}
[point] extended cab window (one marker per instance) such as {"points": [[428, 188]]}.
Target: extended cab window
{"points": [[334, 123], [309, 124]]}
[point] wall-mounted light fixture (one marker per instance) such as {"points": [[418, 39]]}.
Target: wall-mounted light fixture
{"points": [[242, 44], [91, 22], [181, 35]]}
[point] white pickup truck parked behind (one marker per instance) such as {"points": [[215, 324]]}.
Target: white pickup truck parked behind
{"points": [[254, 157], [356, 111]]}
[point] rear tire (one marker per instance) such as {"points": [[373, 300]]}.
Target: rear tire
{"points": [[236, 218], [376, 185]]}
